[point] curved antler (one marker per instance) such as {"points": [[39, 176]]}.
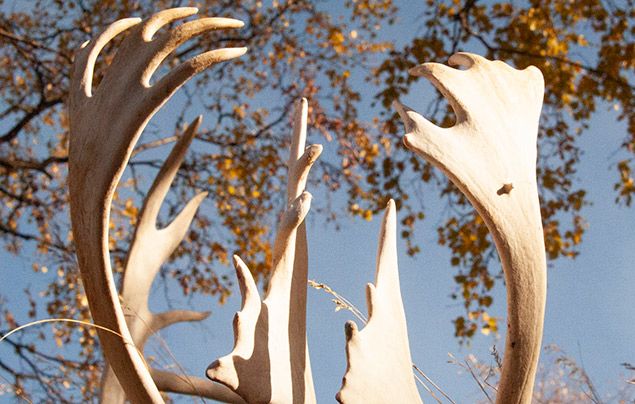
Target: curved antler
{"points": [[105, 126], [270, 361], [378, 357], [149, 249], [490, 155]]}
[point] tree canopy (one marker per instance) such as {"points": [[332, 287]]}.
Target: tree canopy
{"points": [[336, 57]]}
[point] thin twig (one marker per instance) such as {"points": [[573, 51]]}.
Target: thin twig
{"points": [[416, 368], [466, 365], [70, 320]]}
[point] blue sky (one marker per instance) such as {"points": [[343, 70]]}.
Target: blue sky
{"points": [[591, 300]]}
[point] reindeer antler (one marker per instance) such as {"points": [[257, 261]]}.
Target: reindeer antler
{"points": [[105, 127], [270, 361], [149, 249], [379, 363], [490, 155]]}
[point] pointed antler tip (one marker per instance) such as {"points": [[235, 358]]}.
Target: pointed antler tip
{"points": [[211, 369], [408, 141], [350, 330], [193, 10], [239, 51], [402, 111], [306, 197], [463, 59], [418, 71]]}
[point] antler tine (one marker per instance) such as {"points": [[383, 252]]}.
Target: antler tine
{"points": [[490, 155], [300, 158], [298, 132], [271, 335], [248, 289], [85, 58], [108, 124], [367, 352], [166, 175], [169, 41], [151, 247], [164, 17], [186, 70]]}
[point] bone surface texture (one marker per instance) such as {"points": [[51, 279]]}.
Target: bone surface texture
{"points": [[490, 155], [105, 124]]}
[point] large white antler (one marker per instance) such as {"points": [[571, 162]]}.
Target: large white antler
{"points": [[379, 364], [149, 249], [490, 155], [105, 127], [270, 361]]}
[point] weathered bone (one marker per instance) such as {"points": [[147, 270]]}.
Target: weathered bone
{"points": [[149, 249], [379, 364], [105, 127], [270, 361], [490, 155]]}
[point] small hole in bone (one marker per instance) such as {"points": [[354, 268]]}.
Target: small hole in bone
{"points": [[505, 189]]}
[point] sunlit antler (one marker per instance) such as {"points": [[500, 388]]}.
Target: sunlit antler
{"points": [[490, 155], [149, 249], [105, 126], [379, 364], [270, 361]]}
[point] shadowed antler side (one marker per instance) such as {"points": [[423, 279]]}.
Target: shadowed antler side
{"points": [[270, 361], [149, 249], [105, 126], [490, 155], [379, 364]]}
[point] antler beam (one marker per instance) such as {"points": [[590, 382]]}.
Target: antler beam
{"points": [[490, 155], [105, 126]]}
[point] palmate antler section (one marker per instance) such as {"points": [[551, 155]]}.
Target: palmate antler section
{"points": [[490, 155], [270, 361], [149, 249], [379, 364], [105, 126]]}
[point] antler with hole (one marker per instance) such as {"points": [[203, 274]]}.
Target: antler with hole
{"points": [[105, 126], [490, 155], [270, 361], [379, 363], [149, 249]]}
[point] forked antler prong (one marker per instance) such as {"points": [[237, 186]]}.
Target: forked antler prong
{"points": [[149, 249], [270, 361], [105, 125], [379, 365]]}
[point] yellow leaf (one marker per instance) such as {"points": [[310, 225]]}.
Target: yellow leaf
{"points": [[368, 215]]}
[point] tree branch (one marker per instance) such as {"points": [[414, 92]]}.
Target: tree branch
{"points": [[42, 106]]}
